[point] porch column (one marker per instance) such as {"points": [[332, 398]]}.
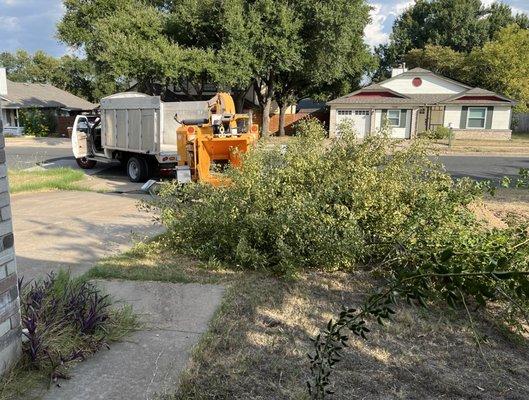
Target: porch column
{"points": [[373, 121], [413, 123]]}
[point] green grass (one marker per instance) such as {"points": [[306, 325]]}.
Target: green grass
{"points": [[151, 261], [50, 179]]}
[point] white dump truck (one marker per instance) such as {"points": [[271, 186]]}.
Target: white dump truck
{"points": [[136, 129]]}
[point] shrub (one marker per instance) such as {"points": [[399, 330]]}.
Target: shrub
{"points": [[440, 132], [37, 122], [65, 320], [324, 204]]}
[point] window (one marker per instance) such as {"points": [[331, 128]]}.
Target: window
{"points": [[345, 112], [476, 117], [394, 117], [416, 82], [361, 112], [82, 125]]}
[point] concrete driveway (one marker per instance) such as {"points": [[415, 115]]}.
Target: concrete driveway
{"points": [[74, 230]]}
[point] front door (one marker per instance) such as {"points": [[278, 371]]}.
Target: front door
{"points": [[421, 120]]}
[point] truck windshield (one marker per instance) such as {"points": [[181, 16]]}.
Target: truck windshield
{"points": [[82, 125]]}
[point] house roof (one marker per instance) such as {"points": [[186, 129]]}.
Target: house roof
{"points": [[41, 95], [309, 105], [410, 99], [420, 99]]}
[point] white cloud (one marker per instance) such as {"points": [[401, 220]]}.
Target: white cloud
{"points": [[376, 32], [9, 24], [12, 2], [399, 8]]}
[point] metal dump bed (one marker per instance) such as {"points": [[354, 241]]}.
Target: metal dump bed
{"points": [[131, 122], [139, 123]]}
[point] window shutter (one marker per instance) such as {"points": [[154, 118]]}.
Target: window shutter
{"points": [[383, 117], [464, 113], [488, 122], [403, 115]]}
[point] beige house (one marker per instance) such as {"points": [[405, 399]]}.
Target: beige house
{"points": [[45, 97], [414, 101]]}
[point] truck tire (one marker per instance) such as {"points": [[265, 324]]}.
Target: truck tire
{"points": [[85, 163], [137, 169]]}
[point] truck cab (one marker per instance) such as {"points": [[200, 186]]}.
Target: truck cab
{"points": [[86, 140]]}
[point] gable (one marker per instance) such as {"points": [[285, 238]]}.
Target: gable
{"points": [[428, 84]]}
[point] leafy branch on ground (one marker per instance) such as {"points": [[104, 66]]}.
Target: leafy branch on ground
{"points": [[329, 344], [346, 204], [521, 182]]}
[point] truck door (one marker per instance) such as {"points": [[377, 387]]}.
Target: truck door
{"points": [[80, 137]]}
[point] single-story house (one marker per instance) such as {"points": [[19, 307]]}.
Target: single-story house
{"points": [[45, 97], [414, 101]]}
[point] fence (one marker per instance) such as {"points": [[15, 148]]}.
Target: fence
{"points": [[63, 123], [520, 123]]}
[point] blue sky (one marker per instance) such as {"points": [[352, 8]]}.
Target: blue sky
{"points": [[30, 24]]}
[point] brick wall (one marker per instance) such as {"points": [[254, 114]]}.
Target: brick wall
{"points": [[10, 330], [489, 134]]}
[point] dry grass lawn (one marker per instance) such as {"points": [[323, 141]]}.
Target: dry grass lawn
{"points": [[509, 205], [258, 341], [519, 144]]}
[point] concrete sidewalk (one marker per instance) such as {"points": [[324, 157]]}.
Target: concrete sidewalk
{"points": [[149, 362], [73, 230]]}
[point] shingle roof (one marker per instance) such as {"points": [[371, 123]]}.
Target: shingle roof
{"points": [[478, 92], [40, 95], [411, 99]]}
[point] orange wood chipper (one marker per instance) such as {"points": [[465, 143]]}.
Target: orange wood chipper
{"points": [[206, 146]]}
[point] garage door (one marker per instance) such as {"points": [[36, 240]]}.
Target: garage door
{"points": [[360, 119]]}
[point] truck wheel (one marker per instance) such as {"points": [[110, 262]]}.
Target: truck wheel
{"points": [[85, 163], [137, 169]]}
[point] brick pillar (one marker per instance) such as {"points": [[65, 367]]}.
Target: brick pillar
{"points": [[10, 330]]}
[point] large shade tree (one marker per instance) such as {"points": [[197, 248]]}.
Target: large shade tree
{"points": [[334, 56], [283, 50], [500, 65], [460, 25], [73, 74]]}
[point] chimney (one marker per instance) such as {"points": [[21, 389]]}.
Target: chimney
{"points": [[398, 70]]}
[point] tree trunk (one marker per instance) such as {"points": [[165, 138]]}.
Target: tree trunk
{"points": [[265, 102], [282, 117], [265, 125], [238, 97]]}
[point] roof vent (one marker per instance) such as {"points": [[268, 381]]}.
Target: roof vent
{"points": [[398, 70]]}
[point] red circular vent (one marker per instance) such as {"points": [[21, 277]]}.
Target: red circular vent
{"points": [[416, 82]]}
